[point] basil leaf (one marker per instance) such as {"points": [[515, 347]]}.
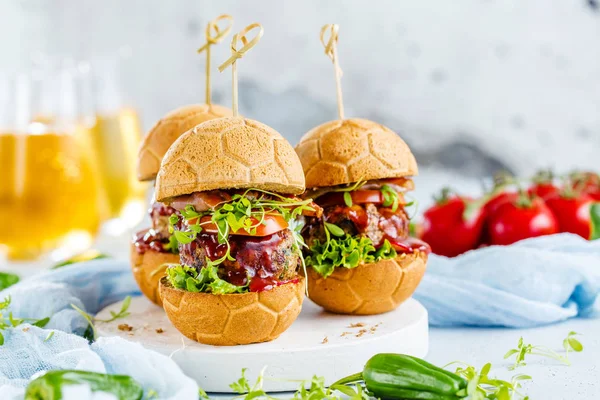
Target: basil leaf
{"points": [[7, 279]]}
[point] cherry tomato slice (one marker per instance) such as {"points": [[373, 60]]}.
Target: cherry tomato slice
{"points": [[270, 225], [358, 197]]}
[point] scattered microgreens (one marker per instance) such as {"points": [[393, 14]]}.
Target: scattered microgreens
{"points": [[11, 321], [247, 392], [246, 211], [90, 333], [570, 343], [153, 394], [312, 389], [482, 387], [344, 250]]}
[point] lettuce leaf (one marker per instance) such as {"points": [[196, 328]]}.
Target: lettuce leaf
{"points": [[346, 252], [205, 281]]}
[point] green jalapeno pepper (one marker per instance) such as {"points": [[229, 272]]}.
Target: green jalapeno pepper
{"points": [[49, 386], [402, 377]]}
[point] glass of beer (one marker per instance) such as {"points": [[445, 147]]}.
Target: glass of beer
{"points": [[50, 200], [115, 132]]}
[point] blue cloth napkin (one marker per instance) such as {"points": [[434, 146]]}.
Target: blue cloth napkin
{"points": [[535, 282], [90, 286]]}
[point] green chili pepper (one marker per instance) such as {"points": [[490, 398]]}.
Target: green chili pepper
{"points": [[49, 386], [398, 376]]}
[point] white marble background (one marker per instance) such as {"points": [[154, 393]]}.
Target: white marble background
{"points": [[472, 85]]}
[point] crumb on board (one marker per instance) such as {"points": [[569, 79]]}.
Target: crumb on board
{"points": [[345, 334], [357, 325], [26, 329], [159, 330], [325, 340], [361, 332], [125, 327]]}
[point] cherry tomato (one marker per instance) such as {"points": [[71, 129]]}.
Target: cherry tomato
{"points": [[271, 224], [513, 222], [573, 214], [586, 182], [358, 197], [543, 190], [447, 230], [498, 199]]}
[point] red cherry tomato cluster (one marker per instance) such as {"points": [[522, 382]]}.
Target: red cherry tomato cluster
{"points": [[509, 213]]}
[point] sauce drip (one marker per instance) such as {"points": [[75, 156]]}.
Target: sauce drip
{"points": [[409, 245], [258, 260], [149, 239]]}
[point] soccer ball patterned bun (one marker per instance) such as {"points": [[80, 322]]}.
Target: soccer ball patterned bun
{"points": [[156, 143], [229, 153], [233, 319], [346, 151], [148, 268]]}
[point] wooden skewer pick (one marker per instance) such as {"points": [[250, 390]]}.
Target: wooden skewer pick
{"points": [[331, 52], [235, 54], [219, 35]]}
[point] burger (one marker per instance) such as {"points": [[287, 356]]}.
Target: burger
{"points": [[152, 248], [234, 184], [360, 258]]}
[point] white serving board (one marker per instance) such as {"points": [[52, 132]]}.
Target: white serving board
{"points": [[318, 343]]}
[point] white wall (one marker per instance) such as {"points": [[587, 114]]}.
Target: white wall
{"points": [[471, 84]]}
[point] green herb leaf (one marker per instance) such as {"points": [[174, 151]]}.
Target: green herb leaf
{"points": [[122, 312], [90, 333], [7, 280], [202, 394], [49, 336], [348, 199], [87, 255], [184, 237], [1, 339], [334, 229], [41, 322], [5, 303]]}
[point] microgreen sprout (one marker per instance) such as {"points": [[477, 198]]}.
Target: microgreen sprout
{"points": [[122, 312], [246, 211], [570, 343], [91, 333], [11, 321]]}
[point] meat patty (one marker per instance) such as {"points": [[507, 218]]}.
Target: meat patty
{"points": [[377, 223], [270, 257], [159, 216]]}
